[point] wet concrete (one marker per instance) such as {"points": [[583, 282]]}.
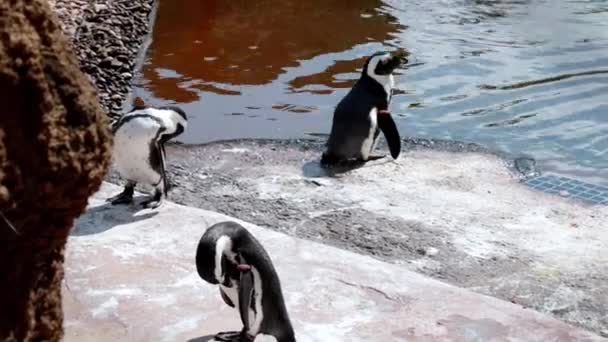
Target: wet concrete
{"points": [[452, 211], [130, 276]]}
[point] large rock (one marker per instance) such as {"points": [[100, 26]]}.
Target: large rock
{"points": [[54, 152]]}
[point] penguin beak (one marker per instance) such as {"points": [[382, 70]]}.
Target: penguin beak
{"points": [[400, 57], [391, 61], [396, 59]]}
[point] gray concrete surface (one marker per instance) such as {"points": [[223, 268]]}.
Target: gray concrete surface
{"points": [[130, 276], [451, 211]]}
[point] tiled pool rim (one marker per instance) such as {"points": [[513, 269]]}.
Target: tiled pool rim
{"points": [[569, 187]]}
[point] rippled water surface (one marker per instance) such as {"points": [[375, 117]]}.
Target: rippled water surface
{"points": [[525, 76]]}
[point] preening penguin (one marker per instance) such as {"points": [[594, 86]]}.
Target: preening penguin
{"points": [[363, 112], [229, 256], [139, 149]]}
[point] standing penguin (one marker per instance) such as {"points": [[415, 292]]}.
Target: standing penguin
{"points": [[363, 112], [139, 149], [230, 256]]}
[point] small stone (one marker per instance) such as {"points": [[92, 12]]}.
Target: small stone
{"points": [[100, 7], [116, 64], [564, 193], [126, 75], [319, 182], [431, 251], [526, 166], [106, 62], [123, 58]]}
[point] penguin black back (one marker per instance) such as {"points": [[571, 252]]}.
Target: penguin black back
{"points": [[363, 112]]}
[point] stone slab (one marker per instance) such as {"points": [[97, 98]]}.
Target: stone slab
{"points": [[449, 210], [130, 276]]}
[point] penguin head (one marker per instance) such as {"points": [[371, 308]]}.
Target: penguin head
{"points": [[382, 64], [217, 262], [205, 262], [179, 116]]}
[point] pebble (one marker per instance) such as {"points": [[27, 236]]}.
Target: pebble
{"points": [[319, 182], [526, 166], [431, 251], [116, 64], [100, 7]]}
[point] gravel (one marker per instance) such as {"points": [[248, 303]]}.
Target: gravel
{"points": [[109, 38]]}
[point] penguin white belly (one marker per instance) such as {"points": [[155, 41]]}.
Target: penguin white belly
{"points": [[368, 142], [131, 151], [264, 338]]}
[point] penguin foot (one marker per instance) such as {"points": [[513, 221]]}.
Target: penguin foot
{"points": [[328, 160], [154, 202], [232, 336], [124, 197], [372, 158], [151, 203]]}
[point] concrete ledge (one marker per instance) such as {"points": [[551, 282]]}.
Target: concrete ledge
{"points": [[448, 210], [130, 276]]}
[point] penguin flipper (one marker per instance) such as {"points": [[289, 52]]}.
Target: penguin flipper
{"points": [[158, 162], [389, 129], [163, 160], [245, 296], [226, 298], [163, 138]]}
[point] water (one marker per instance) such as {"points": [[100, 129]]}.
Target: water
{"points": [[525, 76]]}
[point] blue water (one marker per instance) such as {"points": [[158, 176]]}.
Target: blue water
{"points": [[489, 73]]}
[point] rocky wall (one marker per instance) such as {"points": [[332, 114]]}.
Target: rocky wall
{"points": [[54, 152]]}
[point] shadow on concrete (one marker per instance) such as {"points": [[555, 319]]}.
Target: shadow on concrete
{"points": [[206, 338], [313, 168], [106, 216]]}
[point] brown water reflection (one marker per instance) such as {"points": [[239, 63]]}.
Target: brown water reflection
{"points": [[230, 44]]}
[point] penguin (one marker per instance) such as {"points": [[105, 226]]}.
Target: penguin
{"points": [[363, 113], [139, 149], [228, 255]]}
